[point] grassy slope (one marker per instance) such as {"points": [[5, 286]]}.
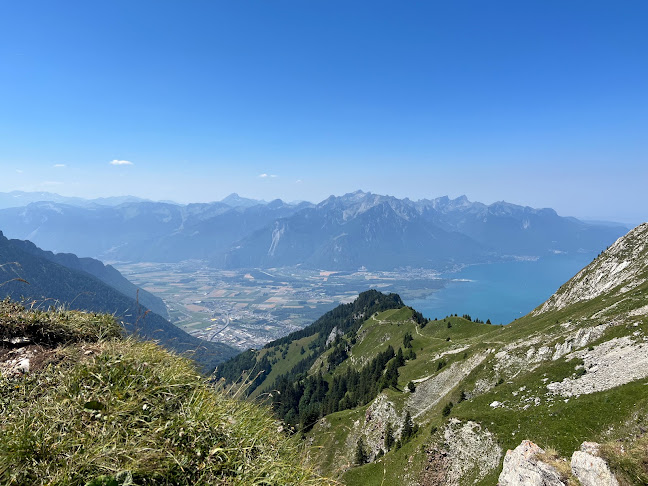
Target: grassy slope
{"points": [[505, 374], [107, 409], [559, 424], [282, 364], [330, 451]]}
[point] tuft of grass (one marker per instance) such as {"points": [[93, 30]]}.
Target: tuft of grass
{"points": [[628, 461], [56, 326], [130, 412], [552, 457]]}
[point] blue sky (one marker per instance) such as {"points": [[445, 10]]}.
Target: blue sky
{"points": [[542, 103]]}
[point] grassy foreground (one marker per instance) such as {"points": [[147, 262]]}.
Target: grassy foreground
{"points": [[103, 410]]}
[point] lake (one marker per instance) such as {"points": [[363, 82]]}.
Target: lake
{"points": [[501, 292]]}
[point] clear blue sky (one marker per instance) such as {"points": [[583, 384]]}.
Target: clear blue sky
{"points": [[541, 102]]}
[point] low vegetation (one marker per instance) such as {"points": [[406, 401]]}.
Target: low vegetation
{"points": [[104, 410]]}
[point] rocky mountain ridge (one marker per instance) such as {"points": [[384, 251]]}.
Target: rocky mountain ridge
{"points": [[620, 269]]}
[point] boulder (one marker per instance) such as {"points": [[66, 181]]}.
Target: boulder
{"points": [[589, 468], [523, 468]]}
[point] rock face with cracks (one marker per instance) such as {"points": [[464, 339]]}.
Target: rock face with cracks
{"points": [[610, 364], [621, 265], [372, 428]]}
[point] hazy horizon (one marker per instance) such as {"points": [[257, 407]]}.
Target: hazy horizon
{"points": [[589, 218], [542, 105]]}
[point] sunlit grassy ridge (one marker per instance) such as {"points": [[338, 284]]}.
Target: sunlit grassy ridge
{"points": [[108, 410]]}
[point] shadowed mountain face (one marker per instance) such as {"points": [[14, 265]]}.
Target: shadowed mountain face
{"points": [[144, 231], [45, 282], [342, 233], [106, 273], [15, 199], [383, 232]]}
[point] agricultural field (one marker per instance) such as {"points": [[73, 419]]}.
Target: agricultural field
{"points": [[248, 308]]}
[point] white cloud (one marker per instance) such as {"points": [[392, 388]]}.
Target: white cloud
{"points": [[121, 162], [265, 176], [298, 181], [59, 165]]}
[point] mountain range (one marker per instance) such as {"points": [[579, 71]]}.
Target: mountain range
{"points": [[340, 233]]}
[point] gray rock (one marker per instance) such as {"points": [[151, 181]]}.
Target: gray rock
{"points": [[23, 365], [471, 452], [335, 332], [590, 469], [523, 468]]}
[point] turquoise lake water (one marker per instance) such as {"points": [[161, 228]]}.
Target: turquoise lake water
{"points": [[501, 292]]}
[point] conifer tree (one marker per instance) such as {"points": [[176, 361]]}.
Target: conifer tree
{"points": [[408, 427], [361, 453], [389, 437]]}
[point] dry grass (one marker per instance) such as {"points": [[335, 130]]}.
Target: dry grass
{"points": [[54, 327], [129, 412], [628, 460], [562, 465]]}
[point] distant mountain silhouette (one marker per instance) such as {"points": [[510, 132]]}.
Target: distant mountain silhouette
{"points": [[21, 198], [343, 233]]}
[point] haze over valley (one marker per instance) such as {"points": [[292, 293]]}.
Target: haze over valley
{"points": [[244, 271]]}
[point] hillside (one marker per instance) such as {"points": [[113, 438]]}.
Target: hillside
{"points": [[396, 399], [80, 405], [29, 277], [106, 273]]}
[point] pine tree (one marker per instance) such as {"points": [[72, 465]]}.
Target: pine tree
{"points": [[400, 359], [408, 427], [361, 453], [389, 437]]}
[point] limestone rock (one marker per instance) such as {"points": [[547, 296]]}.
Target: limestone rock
{"points": [[335, 332], [590, 469], [372, 428], [472, 452], [23, 365], [523, 468]]}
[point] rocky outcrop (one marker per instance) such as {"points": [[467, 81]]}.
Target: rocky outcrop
{"points": [[590, 469], [610, 364], [434, 388], [372, 428], [335, 332], [522, 467], [621, 266], [472, 452]]}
